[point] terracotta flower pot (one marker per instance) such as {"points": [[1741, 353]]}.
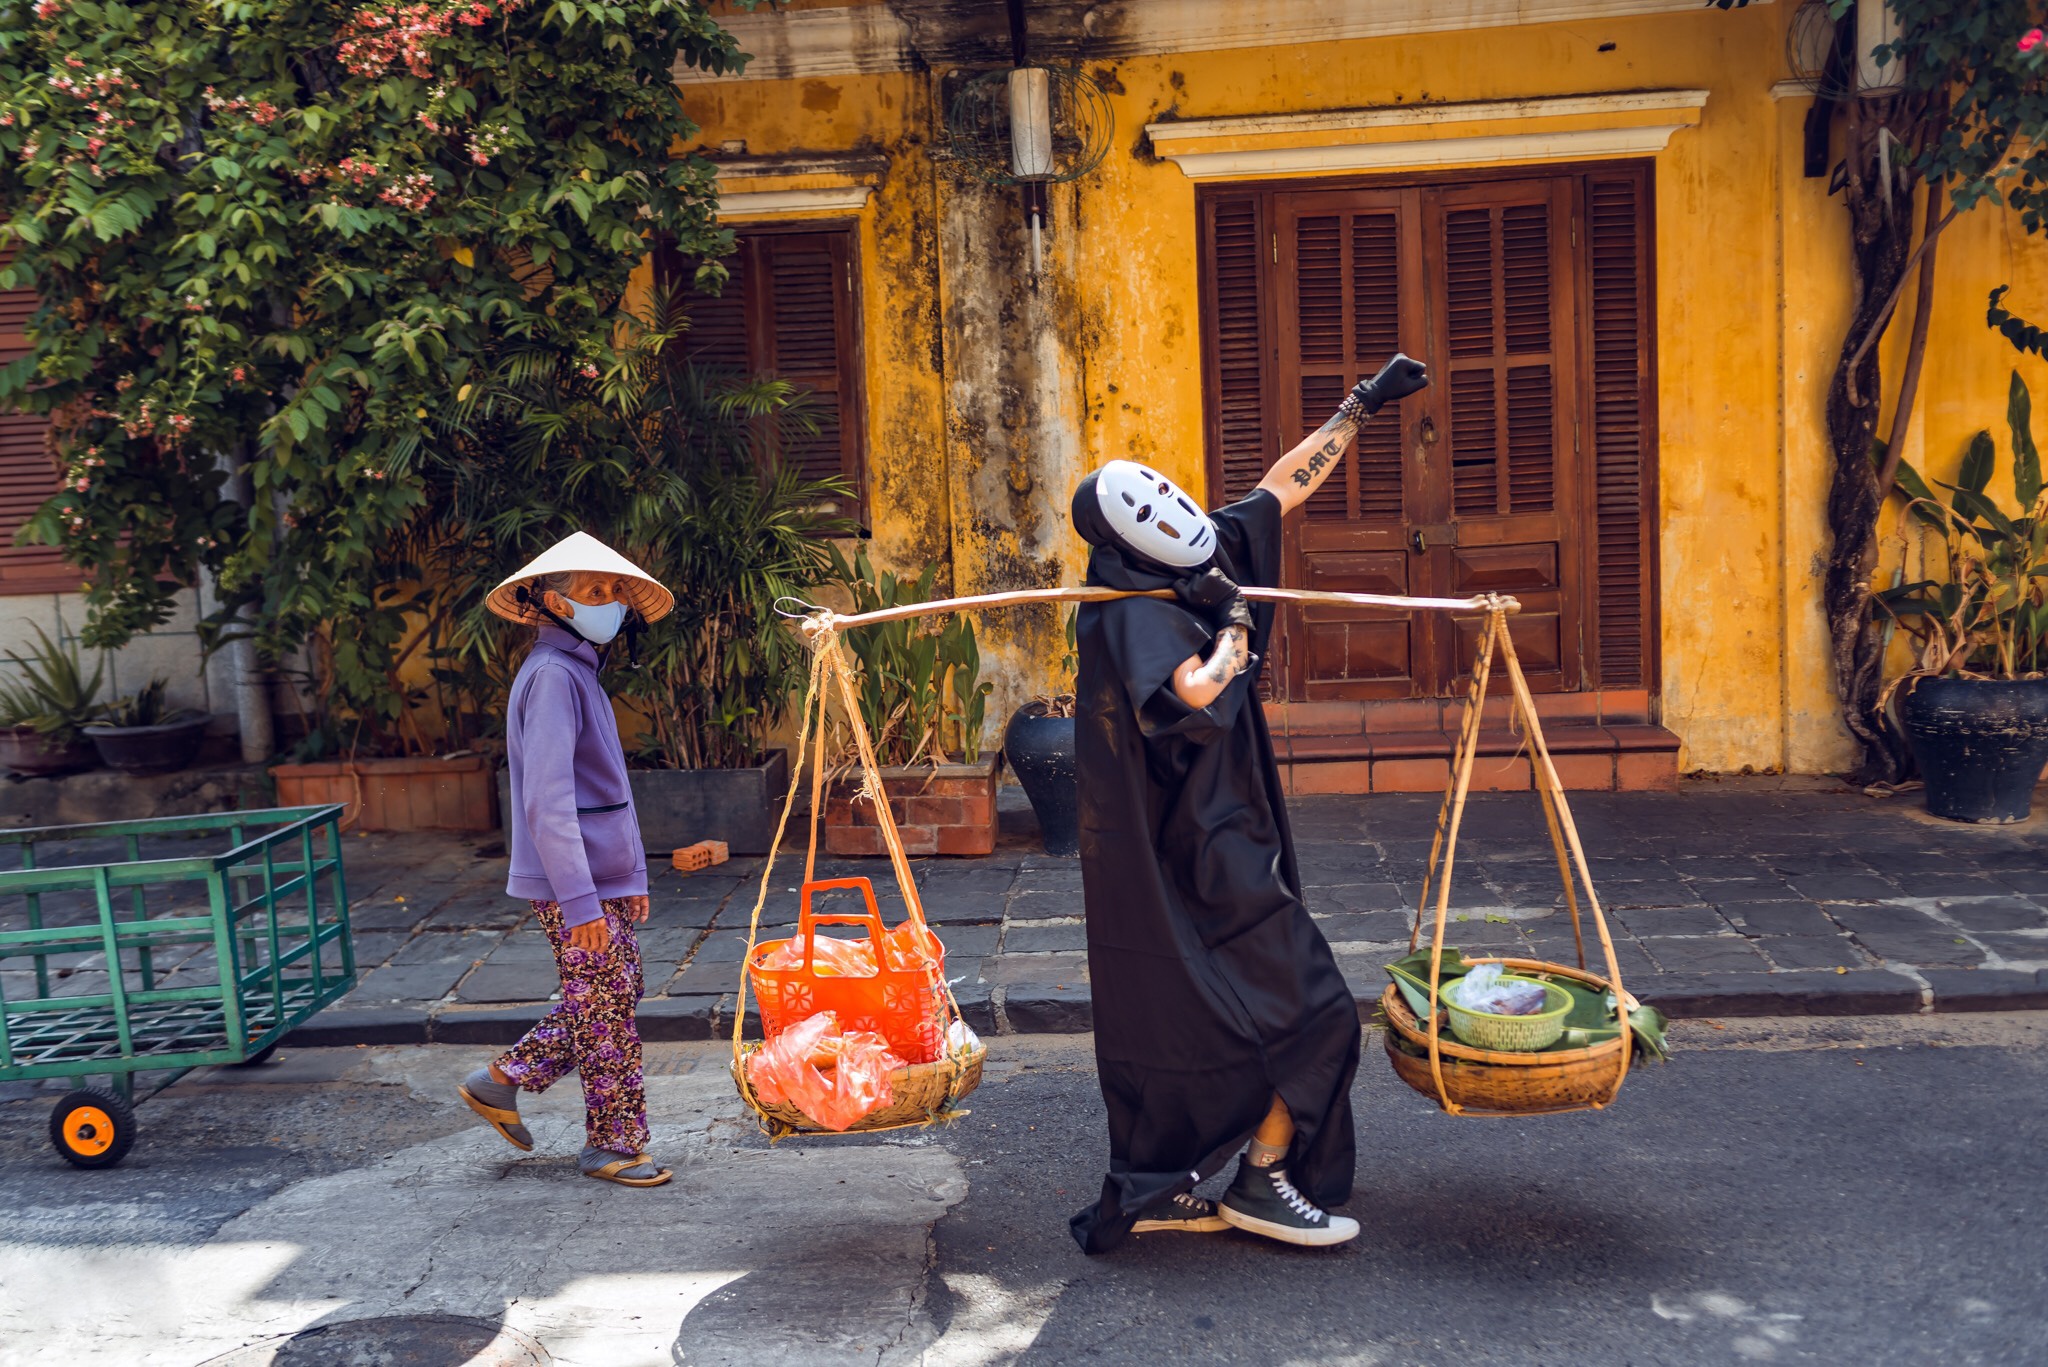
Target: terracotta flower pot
{"points": [[26, 751]]}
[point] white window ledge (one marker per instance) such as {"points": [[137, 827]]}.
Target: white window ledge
{"points": [[1418, 137], [785, 203]]}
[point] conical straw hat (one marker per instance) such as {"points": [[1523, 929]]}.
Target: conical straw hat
{"points": [[581, 551]]}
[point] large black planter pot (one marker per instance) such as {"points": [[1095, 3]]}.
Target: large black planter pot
{"points": [[1981, 744], [160, 749], [679, 807], [1040, 750]]}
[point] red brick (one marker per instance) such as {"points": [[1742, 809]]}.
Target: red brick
{"points": [[1409, 744], [1646, 771], [1410, 775], [1625, 704], [854, 842], [1340, 776], [936, 811], [966, 839], [1579, 706], [1584, 772], [919, 839], [1315, 718], [1493, 774], [977, 811], [1414, 714]]}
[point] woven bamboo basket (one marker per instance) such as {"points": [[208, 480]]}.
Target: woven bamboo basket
{"points": [[1498, 1082], [920, 1093]]}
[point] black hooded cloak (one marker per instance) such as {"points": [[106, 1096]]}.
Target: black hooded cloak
{"points": [[1212, 987]]}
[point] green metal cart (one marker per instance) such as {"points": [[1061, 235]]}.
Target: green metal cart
{"points": [[162, 946]]}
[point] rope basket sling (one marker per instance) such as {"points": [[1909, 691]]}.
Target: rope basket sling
{"points": [[920, 1093], [1464, 1080]]}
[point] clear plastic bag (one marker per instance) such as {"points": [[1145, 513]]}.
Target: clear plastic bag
{"points": [[836, 958], [836, 1078], [1484, 990]]}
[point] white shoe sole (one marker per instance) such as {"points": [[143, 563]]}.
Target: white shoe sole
{"points": [[1342, 1229], [1208, 1224]]}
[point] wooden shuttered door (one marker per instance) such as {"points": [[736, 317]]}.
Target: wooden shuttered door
{"points": [[1524, 468], [28, 475], [1620, 424], [789, 309]]}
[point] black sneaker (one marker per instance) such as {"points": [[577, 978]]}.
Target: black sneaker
{"points": [[1263, 1201], [1188, 1214]]}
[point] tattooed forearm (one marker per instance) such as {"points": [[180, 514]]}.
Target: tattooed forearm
{"points": [[1229, 658], [1348, 416], [1319, 460]]}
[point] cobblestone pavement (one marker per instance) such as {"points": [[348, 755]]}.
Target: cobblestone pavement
{"points": [[1737, 897]]}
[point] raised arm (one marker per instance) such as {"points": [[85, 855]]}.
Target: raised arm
{"points": [[1302, 471]]}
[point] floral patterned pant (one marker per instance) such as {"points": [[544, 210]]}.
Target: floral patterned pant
{"points": [[592, 1032]]}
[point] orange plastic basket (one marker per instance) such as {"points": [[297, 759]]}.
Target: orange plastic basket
{"points": [[903, 1006]]}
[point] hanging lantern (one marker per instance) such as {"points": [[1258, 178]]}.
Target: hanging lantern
{"points": [[1031, 123], [1877, 25]]}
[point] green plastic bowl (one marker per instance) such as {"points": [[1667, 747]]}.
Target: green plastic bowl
{"points": [[1512, 1034]]}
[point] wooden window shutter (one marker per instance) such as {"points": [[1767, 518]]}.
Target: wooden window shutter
{"points": [[1235, 242], [1618, 234], [28, 474], [1498, 290], [802, 280], [789, 309]]}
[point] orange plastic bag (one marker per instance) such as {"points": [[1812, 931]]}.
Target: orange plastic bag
{"points": [[902, 999], [851, 1084]]}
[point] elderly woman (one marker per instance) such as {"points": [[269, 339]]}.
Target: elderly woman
{"points": [[576, 853]]}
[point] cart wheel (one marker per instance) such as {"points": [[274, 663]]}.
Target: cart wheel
{"points": [[257, 1059], [92, 1128]]}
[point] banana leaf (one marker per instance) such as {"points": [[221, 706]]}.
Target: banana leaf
{"points": [[1411, 975]]}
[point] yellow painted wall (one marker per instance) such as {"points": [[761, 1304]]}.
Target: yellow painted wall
{"points": [[1751, 296]]}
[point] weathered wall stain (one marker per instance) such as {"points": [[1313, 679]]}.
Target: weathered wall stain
{"points": [[987, 397]]}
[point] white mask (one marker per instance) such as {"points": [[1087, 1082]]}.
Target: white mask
{"points": [[1153, 516], [596, 623]]}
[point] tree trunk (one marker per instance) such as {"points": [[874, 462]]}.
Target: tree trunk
{"points": [[1881, 241]]}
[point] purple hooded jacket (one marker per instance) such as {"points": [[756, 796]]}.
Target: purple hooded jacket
{"points": [[574, 835]]}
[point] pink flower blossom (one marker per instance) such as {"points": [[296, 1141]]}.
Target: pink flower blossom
{"points": [[2030, 41]]}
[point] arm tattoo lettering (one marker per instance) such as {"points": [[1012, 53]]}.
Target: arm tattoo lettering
{"points": [[1318, 460]]}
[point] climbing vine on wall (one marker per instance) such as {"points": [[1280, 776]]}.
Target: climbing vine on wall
{"points": [[273, 241]]}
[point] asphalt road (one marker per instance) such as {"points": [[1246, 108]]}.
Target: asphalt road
{"points": [[1834, 1192]]}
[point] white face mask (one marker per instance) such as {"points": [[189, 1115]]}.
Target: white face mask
{"points": [[1153, 516], [596, 623]]}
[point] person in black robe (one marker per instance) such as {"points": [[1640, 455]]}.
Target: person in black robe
{"points": [[1220, 1014]]}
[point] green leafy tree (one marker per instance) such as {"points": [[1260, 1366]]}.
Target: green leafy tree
{"points": [[1957, 118], [275, 239], [673, 466]]}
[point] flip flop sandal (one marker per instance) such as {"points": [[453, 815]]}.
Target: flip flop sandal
{"points": [[504, 1122], [611, 1172]]}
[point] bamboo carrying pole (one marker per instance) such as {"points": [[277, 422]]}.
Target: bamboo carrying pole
{"points": [[1017, 598], [822, 625]]}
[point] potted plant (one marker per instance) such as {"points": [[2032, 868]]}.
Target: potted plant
{"points": [[683, 475], [1039, 745], [140, 735], [43, 713], [923, 700], [1974, 705]]}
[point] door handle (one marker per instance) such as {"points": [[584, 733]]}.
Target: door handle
{"points": [[1418, 540]]}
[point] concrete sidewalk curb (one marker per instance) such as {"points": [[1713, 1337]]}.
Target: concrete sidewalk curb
{"points": [[1029, 1009]]}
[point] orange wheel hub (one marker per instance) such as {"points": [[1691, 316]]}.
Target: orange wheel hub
{"points": [[89, 1131]]}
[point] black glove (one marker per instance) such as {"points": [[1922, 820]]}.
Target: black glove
{"points": [[1397, 379], [1212, 596]]}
